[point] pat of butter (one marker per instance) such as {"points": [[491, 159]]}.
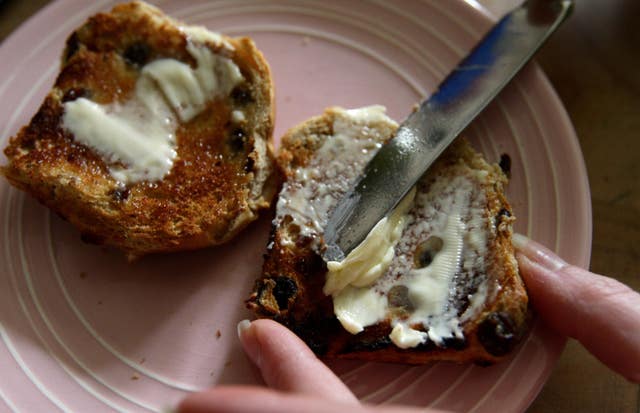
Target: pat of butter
{"points": [[355, 305], [369, 260], [139, 134], [357, 308]]}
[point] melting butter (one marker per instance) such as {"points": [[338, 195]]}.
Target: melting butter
{"points": [[369, 260], [139, 134], [405, 337], [357, 308], [355, 305]]}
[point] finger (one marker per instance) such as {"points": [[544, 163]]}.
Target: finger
{"points": [[287, 364], [600, 312], [256, 399]]}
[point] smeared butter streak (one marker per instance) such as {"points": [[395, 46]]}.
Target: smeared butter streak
{"points": [[315, 189]]}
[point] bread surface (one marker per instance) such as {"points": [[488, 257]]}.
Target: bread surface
{"points": [[290, 289], [222, 175]]}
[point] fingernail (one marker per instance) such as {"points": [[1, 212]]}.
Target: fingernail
{"points": [[538, 253], [519, 241], [243, 326], [249, 341]]}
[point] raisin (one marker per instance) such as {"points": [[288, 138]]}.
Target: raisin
{"points": [[399, 297], [284, 289], [75, 93], [504, 212], [237, 139], [426, 251], [248, 167], [505, 164], [137, 54], [456, 343], [241, 96], [496, 334], [73, 44], [120, 194]]}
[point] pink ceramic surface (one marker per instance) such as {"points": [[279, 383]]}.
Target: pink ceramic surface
{"points": [[83, 330]]}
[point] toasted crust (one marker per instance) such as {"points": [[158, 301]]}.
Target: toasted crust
{"points": [[222, 176], [291, 287]]}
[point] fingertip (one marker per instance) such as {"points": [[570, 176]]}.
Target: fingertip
{"points": [[286, 362], [243, 326], [519, 241], [537, 253], [250, 342]]}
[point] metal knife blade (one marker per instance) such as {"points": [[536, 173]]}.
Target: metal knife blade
{"points": [[423, 136]]}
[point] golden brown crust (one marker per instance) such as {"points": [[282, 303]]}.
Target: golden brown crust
{"points": [[222, 176], [290, 290]]}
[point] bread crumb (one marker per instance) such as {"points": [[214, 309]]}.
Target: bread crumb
{"points": [[218, 334], [99, 302], [83, 275], [135, 377]]}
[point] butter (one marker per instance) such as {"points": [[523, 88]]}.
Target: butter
{"points": [[138, 135], [200, 34], [405, 337], [429, 291], [447, 211], [357, 308], [129, 134], [429, 286], [315, 189], [237, 116], [369, 260]]}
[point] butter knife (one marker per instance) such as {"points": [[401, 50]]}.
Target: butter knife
{"points": [[423, 136]]}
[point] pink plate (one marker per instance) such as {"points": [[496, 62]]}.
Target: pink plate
{"points": [[82, 330]]}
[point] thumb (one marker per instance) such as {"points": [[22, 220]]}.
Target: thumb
{"points": [[287, 364], [600, 312]]}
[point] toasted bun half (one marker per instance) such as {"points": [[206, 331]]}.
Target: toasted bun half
{"points": [[222, 174], [452, 290]]}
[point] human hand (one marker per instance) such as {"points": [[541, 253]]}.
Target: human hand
{"points": [[600, 312], [298, 380]]}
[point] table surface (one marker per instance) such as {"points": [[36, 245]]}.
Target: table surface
{"points": [[593, 63]]}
